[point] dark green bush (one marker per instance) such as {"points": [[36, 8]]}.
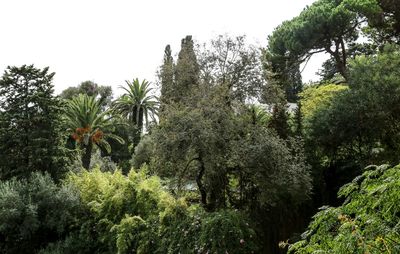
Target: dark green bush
{"points": [[34, 212]]}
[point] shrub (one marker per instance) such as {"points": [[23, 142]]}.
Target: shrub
{"points": [[367, 222], [34, 212], [135, 214], [224, 231]]}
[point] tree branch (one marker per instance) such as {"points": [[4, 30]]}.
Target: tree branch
{"points": [[184, 171]]}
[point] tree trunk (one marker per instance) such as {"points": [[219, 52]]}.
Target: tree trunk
{"points": [[137, 120], [202, 189], [87, 155], [340, 57], [140, 122]]}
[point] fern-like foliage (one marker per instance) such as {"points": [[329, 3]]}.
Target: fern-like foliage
{"points": [[367, 222]]}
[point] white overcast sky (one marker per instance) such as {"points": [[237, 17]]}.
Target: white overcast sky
{"points": [[112, 41]]}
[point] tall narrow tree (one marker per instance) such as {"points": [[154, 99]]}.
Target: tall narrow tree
{"points": [[167, 76], [187, 70]]}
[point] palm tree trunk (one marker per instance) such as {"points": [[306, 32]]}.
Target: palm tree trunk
{"points": [[138, 123], [87, 155], [140, 120]]}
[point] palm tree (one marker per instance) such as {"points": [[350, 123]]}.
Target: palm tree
{"points": [[136, 104], [88, 125]]}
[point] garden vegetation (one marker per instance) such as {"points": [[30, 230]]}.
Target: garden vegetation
{"points": [[231, 153]]}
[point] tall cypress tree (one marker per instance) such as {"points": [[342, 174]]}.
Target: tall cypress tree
{"points": [[30, 123], [167, 79], [187, 70]]}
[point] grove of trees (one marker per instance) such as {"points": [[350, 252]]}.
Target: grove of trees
{"points": [[213, 159]]}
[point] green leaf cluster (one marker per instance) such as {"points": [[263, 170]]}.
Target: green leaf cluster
{"points": [[314, 98]]}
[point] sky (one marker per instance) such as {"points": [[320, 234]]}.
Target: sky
{"points": [[109, 42]]}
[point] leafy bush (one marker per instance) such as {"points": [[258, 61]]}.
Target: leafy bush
{"points": [[135, 214], [143, 151], [196, 231], [113, 202], [227, 230], [367, 222], [34, 212]]}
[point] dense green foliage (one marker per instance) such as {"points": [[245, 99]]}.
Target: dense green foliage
{"points": [[35, 212], [204, 145], [333, 27], [325, 26], [239, 158], [199, 146], [186, 71], [133, 213], [30, 123], [314, 98], [166, 77], [178, 80], [367, 222], [372, 102]]}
